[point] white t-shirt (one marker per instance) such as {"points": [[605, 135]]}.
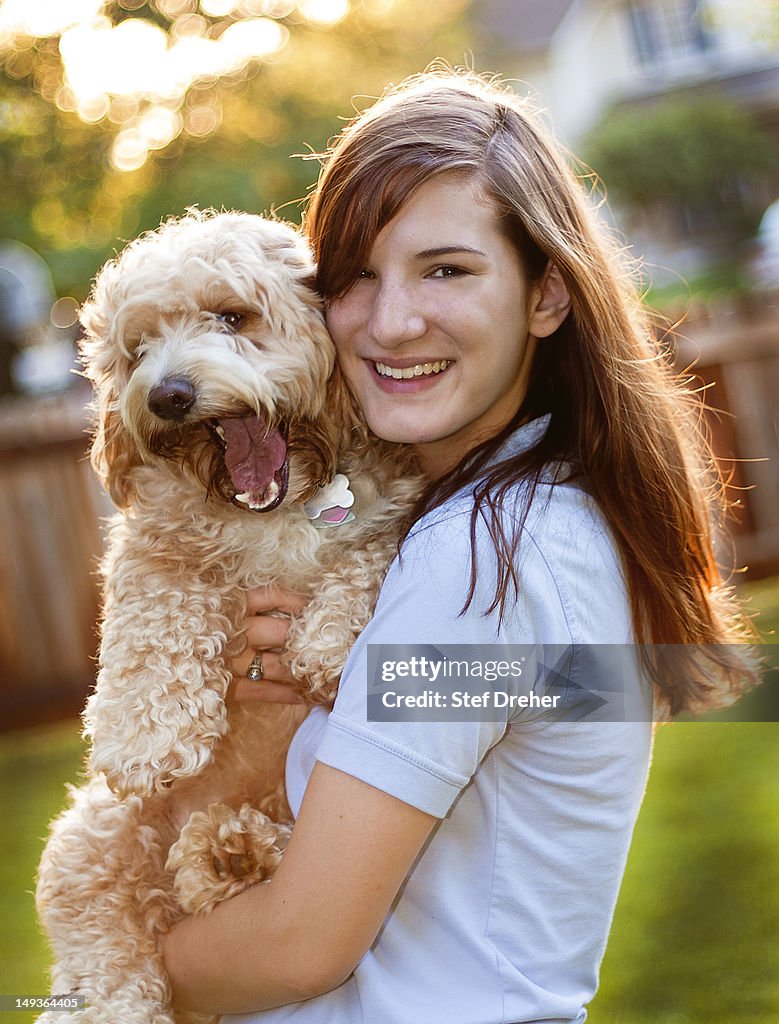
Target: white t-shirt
{"points": [[505, 915]]}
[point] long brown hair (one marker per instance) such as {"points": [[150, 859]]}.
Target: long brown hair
{"points": [[617, 413]]}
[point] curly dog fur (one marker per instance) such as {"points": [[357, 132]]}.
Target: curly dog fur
{"points": [[219, 414]]}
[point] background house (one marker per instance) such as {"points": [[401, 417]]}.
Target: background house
{"points": [[592, 62], [584, 57]]}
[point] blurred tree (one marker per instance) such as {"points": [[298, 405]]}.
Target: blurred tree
{"points": [[85, 172], [705, 159]]}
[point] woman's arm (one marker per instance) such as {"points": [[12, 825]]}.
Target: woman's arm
{"points": [[304, 932]]}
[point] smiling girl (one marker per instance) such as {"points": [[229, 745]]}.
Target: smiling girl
{"points": [[437, 340], [466, 872]]}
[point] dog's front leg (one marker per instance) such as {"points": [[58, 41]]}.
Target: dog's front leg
{"points": [[158, 708], [221, 852], [104, 899], [321, 637]]}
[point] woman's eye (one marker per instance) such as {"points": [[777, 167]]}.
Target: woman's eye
{"points": [[448, 271], [365, 275], [230, 319]]}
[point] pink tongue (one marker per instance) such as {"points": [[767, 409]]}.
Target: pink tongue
{"points": [[253, 453]]}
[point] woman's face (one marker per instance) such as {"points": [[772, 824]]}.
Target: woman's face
{"points": [[433, 337]]}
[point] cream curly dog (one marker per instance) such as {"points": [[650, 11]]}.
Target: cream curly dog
{"points": [[221, 426]]}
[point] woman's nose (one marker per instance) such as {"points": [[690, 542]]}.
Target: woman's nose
{"points": [[395, 318]]}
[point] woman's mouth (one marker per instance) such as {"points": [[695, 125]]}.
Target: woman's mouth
{"points": [[411, 372]]}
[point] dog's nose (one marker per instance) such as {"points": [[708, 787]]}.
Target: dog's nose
{"points": [[172, 398]]}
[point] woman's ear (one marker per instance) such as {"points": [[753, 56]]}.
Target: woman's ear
{"points": [[550, 303]]}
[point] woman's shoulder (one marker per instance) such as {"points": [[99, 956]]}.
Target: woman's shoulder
{"points": [[571, 584], [559, 499], [557, 483]]}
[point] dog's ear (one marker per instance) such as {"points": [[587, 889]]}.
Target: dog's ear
{"points": [[114, 453], [317, 452], [342, 410], [320, 441]]}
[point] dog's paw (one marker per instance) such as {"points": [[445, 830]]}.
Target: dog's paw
{"points": [[152, 773], [221, 852], [316, 657], [317, 686]]}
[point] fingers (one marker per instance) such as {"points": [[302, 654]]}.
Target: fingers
{"points": [[274, 693], [273, 598], [277, 685], [273, 667], [263, 631], [266, 634]]}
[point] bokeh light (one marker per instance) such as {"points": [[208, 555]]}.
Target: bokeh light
{"points": [[202, 120], [133, 109], [219, 8], [133, 74], [324, 12], [137, 58], [128, 152], [64, 312], [42, 18], [159, 126]]}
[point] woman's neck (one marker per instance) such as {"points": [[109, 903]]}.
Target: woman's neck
{"points": [[436, 459]]}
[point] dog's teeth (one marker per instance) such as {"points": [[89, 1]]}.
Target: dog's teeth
{"points": [[271, 493], [221, 431]]}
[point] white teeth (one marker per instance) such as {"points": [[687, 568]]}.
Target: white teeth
{"points": [[221, 432], [420, 370], [271, 493]]}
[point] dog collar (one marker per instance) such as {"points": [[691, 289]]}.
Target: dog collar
{"points": [[331, 504]]}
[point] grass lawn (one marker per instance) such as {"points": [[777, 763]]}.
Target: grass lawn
{"points": [[35, 764], [696, 933]]}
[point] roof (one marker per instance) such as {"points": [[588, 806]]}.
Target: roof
{"points": [[524, 25]]}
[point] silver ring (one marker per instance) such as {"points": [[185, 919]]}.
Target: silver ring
{"points": [[256, 670]]}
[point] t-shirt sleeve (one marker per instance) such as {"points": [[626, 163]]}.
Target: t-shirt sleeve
{"points": [[424, 763]]}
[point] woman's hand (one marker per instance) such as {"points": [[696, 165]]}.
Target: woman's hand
{"points": [[266, 625]]}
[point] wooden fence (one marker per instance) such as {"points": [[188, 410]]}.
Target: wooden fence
{"points": [[51, 508], [735, 352]]}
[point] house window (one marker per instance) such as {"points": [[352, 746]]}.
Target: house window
{"points": [[664, 29]]}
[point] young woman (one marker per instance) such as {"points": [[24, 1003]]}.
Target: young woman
{"points": [[465, 872]]}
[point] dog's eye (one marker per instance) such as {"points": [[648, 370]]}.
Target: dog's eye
{"points": [[230, 319]]}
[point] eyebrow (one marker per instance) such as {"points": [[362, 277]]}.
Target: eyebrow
{"points": [[447, 250]]}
